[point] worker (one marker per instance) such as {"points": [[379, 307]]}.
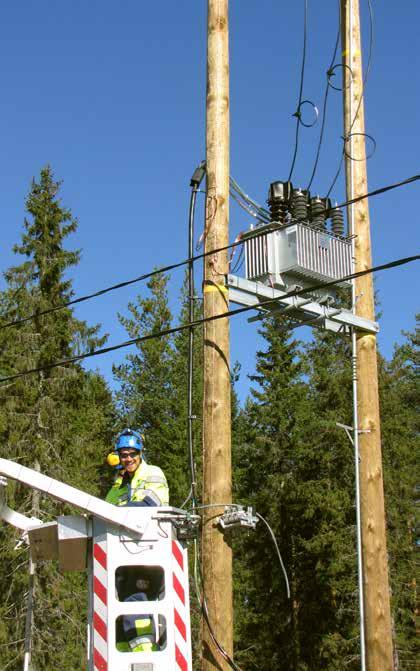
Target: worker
{"points": [[139, 631], [139, 483]]}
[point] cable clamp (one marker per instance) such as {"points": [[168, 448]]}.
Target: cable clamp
{"points": [[237, 516], [188, 527]]}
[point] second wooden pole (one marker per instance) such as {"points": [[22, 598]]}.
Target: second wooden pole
{"points": [[377, 625]]}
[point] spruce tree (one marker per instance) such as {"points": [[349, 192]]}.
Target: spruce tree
{"points": [[296, 466], [178, 372], [153, 385], [57, 421], [399, 395], [328, 621], [265, 461], [146, 390]]}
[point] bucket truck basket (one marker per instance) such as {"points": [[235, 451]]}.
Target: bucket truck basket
{"points": [[139, 582], [138, 615]]}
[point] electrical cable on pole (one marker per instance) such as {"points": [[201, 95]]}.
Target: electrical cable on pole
{"points": [[271, 532], [201, 598], [196, 180]]}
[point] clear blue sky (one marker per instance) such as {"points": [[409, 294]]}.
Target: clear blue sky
{"points": [[112, 95]]}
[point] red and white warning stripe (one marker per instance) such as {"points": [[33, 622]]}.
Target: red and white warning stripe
{"points": [[179, 581], [100, 607]]}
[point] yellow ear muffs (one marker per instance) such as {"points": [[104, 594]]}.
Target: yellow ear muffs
{"points": [[113, 459]]}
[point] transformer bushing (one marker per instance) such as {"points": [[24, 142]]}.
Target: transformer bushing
{"points": [[337, 221], [279, 198], [300, 205], [318, 207]]}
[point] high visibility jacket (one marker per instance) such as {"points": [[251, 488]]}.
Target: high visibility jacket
{"points": [[148, 485], [139, 630], [140, 641], [145, 638]]}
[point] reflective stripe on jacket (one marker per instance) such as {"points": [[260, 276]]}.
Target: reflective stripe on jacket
{"points": [[145, 641], [139, 630], [148, 482]]}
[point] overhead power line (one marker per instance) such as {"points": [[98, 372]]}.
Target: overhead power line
{"points": [[88, 297], [297, 114], [230, 313], [376, 192], [164, 269], [327, 89]]}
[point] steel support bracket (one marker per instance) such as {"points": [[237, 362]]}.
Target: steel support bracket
{"points": [[301, 309]]}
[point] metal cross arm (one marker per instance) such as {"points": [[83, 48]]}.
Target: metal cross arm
{"points": [[251, 292]]}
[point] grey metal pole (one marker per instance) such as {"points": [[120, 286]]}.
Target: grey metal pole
{"points": [[357, 486], [29, 617], [89, 637]]}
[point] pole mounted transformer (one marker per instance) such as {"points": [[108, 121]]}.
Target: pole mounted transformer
{"points": [[303, 244], [121, 549]]}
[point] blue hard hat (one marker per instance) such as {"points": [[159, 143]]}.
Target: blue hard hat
{"points": [[129, 438]]}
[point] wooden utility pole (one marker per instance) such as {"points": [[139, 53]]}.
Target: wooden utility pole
{"points": [[377, 620], [217, 477]]}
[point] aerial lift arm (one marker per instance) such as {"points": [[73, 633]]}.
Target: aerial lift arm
{"points": [[59, 490]]}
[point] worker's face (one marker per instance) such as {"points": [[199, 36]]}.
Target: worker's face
{"points": [[130, 460], [142, 584]]}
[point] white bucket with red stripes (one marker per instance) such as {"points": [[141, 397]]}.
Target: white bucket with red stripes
{"points": [[119, 558]]}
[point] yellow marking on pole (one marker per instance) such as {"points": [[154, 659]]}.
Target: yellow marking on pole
{"points": [[215, 287], [355, 54]]}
